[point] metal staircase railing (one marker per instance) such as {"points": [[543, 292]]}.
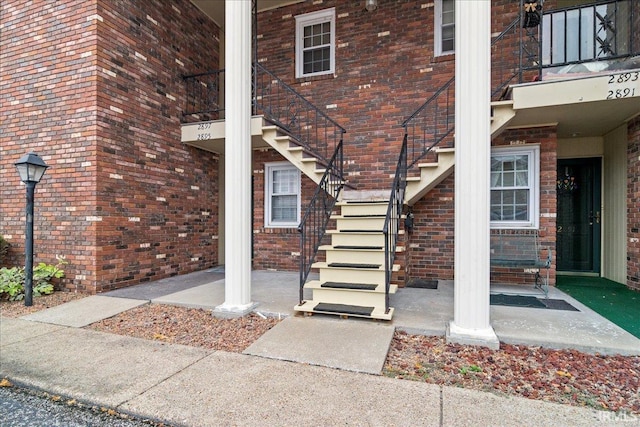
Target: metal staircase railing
{"points": [[316, 217], [391, 228], [283, 106]]}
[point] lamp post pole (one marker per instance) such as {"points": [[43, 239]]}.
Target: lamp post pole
{"points": [[28, 247], [31, 168]]}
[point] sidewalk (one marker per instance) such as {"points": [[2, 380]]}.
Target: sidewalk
{"points": [[335, 379], [190, 386]]}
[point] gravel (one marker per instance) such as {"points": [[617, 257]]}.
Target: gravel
{"points": [[21, 407], [562, 376]]}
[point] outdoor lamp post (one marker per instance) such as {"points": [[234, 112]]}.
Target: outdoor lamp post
{"points": [[31, 168]]}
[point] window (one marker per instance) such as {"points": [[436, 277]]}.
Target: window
{"points": [[515, 187], [445, 27], [315, 43], [282, 198]]}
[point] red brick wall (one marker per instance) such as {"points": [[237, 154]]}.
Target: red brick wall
{"points": [[430, 246], [96, 89], [633, 205], [48, 74]]}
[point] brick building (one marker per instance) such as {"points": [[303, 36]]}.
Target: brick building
{"points": [[157, 154]]}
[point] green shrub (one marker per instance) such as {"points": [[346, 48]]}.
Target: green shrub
{"points": [[12, 280]]}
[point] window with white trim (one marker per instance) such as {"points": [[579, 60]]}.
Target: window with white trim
{"points": [[315, 43], [282, 195], [515, 187], [445, 27]]}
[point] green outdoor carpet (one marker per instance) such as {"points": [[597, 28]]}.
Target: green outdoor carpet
{"points": [[610, 299]]}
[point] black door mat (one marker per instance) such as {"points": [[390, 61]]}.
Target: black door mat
{"points": [[558, 304], [422, 284], [356, 310], [531, 302], [344, 285], [516, 301], [351, 265]]}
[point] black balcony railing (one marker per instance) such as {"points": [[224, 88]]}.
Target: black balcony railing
{"points": [[203, 96], [605, 30]]}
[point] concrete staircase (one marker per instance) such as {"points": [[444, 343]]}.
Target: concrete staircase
{"points": [[352, 277]]}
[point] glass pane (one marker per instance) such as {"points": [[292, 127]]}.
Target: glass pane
{"points": [[507, 213], [586, 34], [448, 45], [522, 197], [558, 38], [508, 197], [284, 182], [572, 42], [283, 208], [546, 40], [522, 179], [508, 179]]}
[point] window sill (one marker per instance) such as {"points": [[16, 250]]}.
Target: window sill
{"points": [[306, 79], [444, 58]]}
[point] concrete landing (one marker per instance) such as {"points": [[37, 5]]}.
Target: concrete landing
{"points": [[85, 311], [357, 345]]}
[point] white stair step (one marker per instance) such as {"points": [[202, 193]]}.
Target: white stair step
{"points": [[362, 238], [363, 256], [310, 306], [363, 208], [359, 222], [352, 274]]}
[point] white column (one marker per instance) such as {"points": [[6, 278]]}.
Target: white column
{"points": [[471, 324], [237, 290]]}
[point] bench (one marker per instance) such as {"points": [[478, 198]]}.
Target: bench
{"points": [[521, 249]]}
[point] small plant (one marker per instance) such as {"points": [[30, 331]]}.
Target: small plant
{"points": [[12, 283], [12, 279], [471, 368]]}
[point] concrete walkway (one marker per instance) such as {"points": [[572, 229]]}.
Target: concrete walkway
{"points": [[191, 386]]}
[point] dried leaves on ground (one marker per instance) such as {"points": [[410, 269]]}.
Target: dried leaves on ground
{"points": [[562, 376], [187, 326]]}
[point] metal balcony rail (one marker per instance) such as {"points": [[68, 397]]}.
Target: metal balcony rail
{"points": [[317, 215], [605, 30], [391, 228], [278, 102], [203, 96]]}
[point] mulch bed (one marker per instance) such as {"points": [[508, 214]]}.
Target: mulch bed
{"points": [[562, 376]]}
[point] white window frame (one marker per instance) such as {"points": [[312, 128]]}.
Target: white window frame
{"points": [[268, 186], [438, 31], [533, 153], [314, 18]]}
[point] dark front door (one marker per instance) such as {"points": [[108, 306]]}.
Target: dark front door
{"points": [[579, 217]]}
